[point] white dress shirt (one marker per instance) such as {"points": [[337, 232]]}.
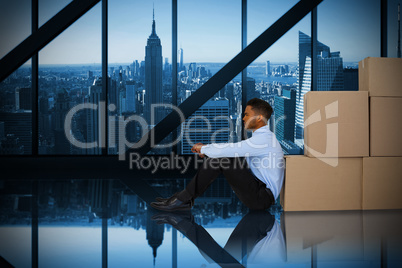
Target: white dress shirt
{"points": [[263, 154]]}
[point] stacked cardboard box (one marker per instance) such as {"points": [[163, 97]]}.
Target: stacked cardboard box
{"points": [[336, 137], [343, 131], [382, 170]]}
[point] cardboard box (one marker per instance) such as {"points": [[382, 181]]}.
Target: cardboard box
{"points": [[385, 126], [382, 182], [381, 76], [336, 124], [333, 235], [311, 184]]}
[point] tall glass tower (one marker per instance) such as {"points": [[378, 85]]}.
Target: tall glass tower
{"points": [[329, 78], [181, 59], [153, 75], [329, 75]]}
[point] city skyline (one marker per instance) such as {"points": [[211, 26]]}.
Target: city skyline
{"points": [[212, 34]]}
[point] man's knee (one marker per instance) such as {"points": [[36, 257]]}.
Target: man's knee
{"points": [[216, 163], [225, 163]]}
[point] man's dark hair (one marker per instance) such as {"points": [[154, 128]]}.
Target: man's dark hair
{"points": [[261, 107]]}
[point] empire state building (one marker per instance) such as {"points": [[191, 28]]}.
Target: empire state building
{"points": [[153, 75]]}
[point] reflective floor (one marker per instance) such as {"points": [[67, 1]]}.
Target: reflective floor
{"points": [[95, 223]]}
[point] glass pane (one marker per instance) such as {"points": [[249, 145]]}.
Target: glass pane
{"points": [[68, 78], [394, 30], [348, 39], [15, 24], [275, 76], [49, 8], [16, 112], [209, 35], [140, 64]]}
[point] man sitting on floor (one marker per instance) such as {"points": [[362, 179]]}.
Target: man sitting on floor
{"points": [[256, 182]]}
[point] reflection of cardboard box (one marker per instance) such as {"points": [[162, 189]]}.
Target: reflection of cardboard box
{"points": [[336, 124], [311, 184], [381, 76], [330, 236], [385, 126], [382, 183], [382, 233]]}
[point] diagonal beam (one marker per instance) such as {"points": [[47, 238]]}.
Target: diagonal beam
{"points": [[43, 36], [228, 72]]}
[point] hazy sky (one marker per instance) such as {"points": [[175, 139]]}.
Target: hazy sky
{"points": [[208, 30]]}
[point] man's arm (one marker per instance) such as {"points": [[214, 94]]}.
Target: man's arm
{"points": [[251, 147]]}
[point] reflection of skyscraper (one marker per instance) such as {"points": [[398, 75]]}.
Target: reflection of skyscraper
{"points": [[154, 233], [205, 126], [329, 72], [153, 75]]}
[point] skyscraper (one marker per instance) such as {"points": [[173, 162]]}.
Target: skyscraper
{"points": [[209, 124], [23, 99], [285, 107], [268, 68], [305, 51], [251, 90], [180, 59], [19, 126], [130, 96], [350, 79], [329, 75], [399, 32], [93, 124], [153, 75]]}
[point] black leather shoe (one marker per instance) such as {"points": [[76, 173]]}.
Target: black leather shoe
{"points": [[162, 199], [173, 204], [172, 218]]}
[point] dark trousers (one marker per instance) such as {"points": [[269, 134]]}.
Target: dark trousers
{"points": [[250, 190]]}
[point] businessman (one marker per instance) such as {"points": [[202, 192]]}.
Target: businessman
{"points": [[254, 167]]}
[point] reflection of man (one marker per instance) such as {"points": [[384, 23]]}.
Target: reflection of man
{"points": [[256, 181], [257, 238]]}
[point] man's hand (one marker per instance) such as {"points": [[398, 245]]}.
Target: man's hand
{"points": [[197, 149]]}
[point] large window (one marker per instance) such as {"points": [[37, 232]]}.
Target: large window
{"points": [[15, 24], [16, 113], [68, 70], [276, 75], [49, 8], [140, 69], [209, 36], [348, 39]]}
